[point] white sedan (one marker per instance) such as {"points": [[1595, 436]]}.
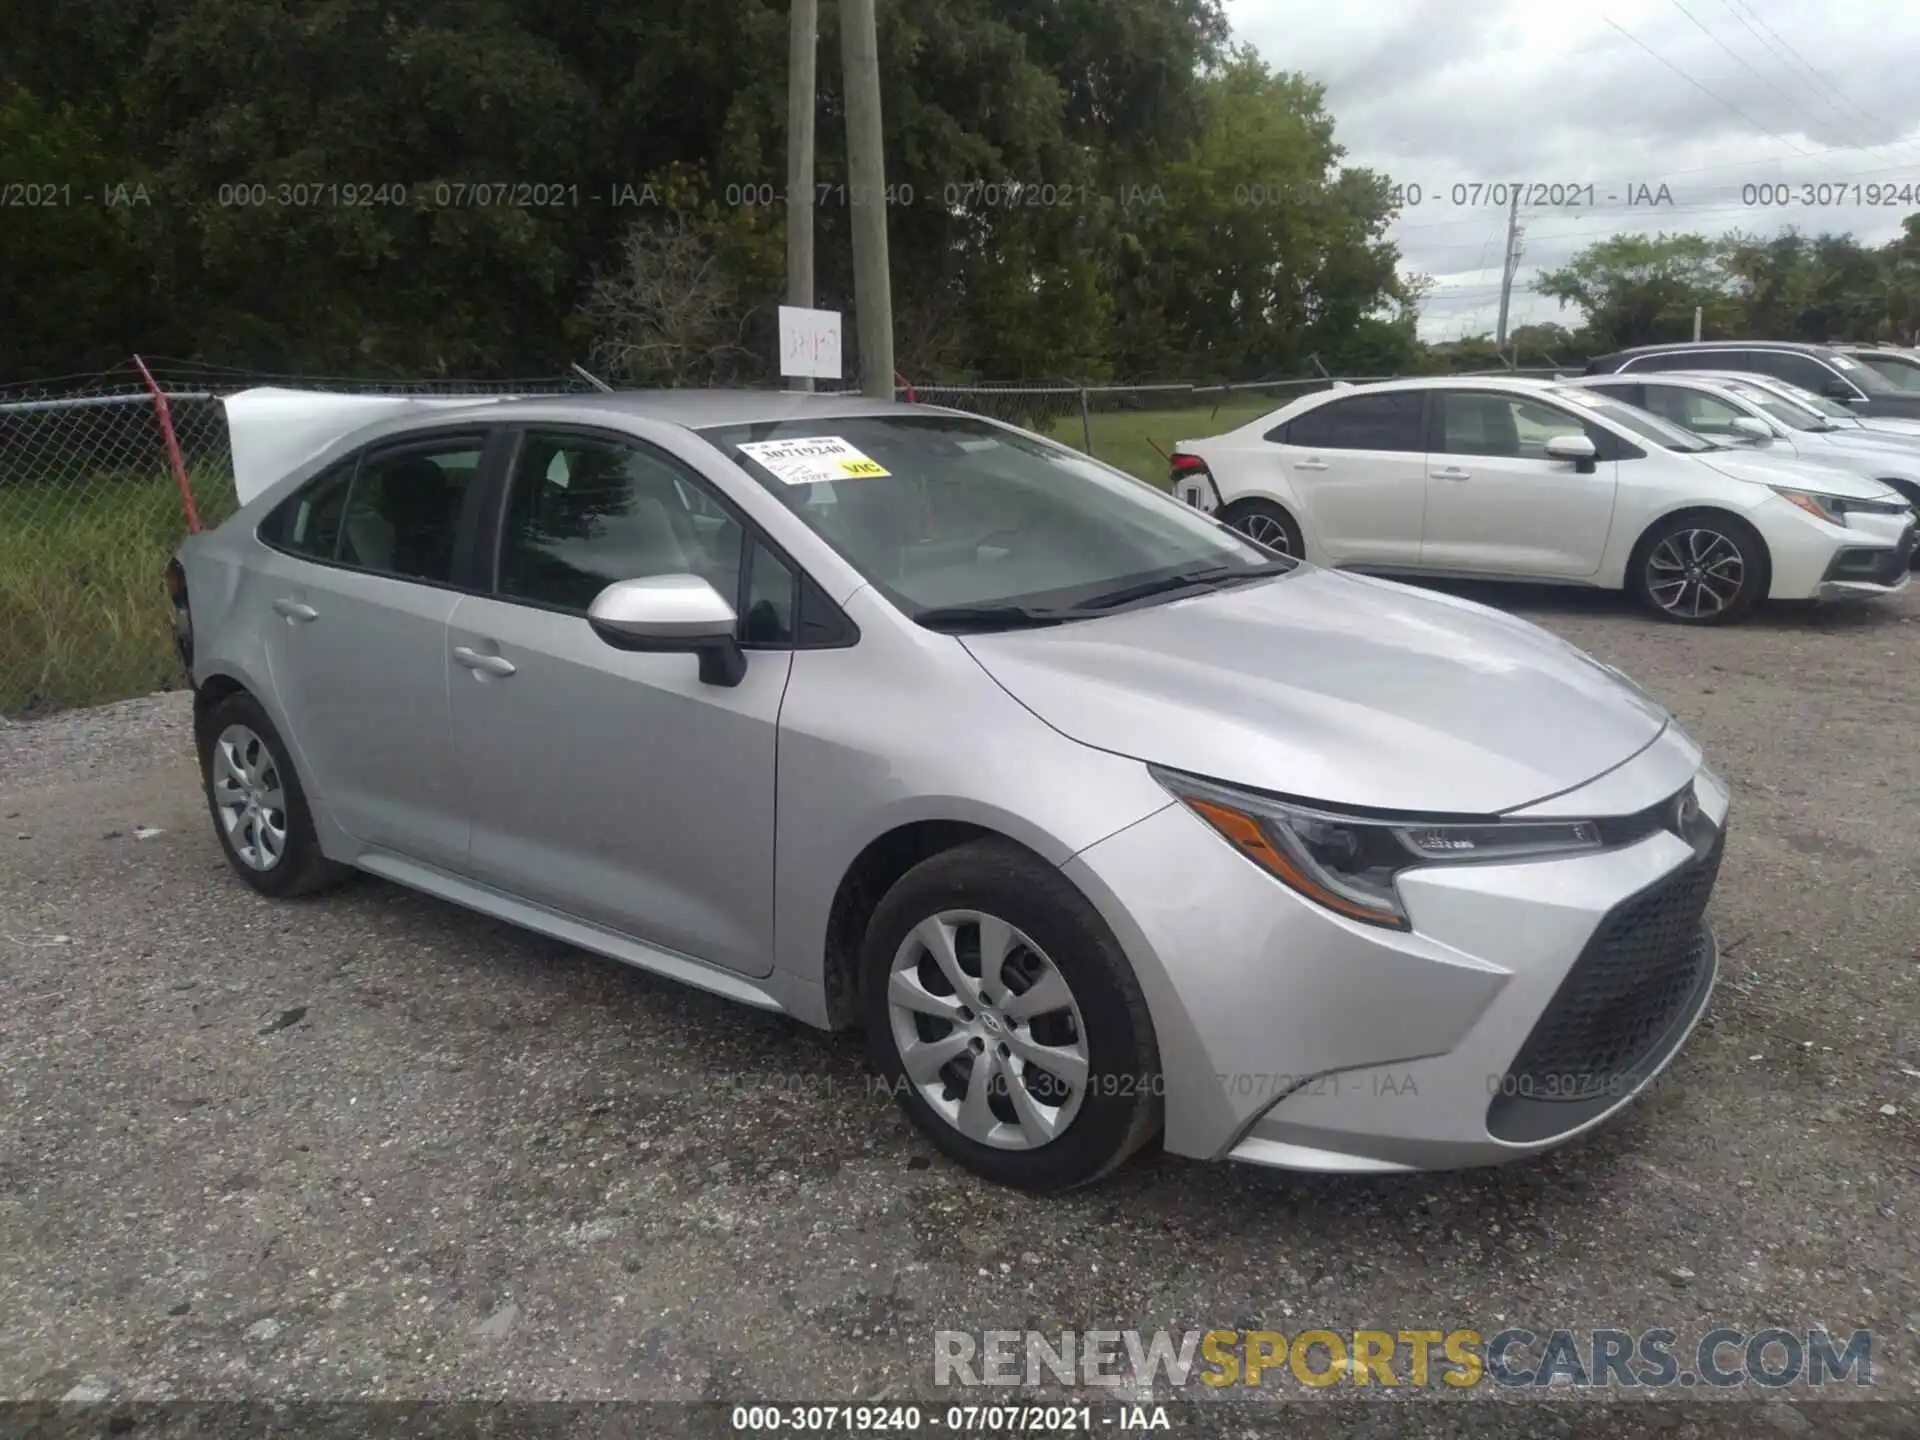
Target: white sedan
{"points": [[1515, 479]]}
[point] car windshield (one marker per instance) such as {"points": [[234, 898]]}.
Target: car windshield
{"points": [[1869, 380], [1781, 409], [1643, 423], [964, 524], [1817, 403], [1900, 371]]}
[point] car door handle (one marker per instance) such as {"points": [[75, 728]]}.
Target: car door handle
{"points": [[294, 610], [1309, 464], [1452, 472], [488, 664]]}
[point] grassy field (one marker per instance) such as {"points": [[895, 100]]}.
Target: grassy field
{"points": [[83, 611], [1127, 438]]}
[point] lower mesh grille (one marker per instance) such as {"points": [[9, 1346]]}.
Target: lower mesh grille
{"points": [[1635, 978]]}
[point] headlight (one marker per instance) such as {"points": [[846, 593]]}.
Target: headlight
{"points": [[1830, 508], [1349, 863]]}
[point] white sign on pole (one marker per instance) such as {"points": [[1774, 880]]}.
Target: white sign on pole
{"points": [[810, 343]]}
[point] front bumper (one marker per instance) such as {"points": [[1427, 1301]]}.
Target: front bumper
{"points": [[1871, 555], [1510, 1017], [1872, 570]]}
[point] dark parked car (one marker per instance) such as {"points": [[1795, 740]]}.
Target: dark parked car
{"points": [[1819, 368], [1899, 367]]}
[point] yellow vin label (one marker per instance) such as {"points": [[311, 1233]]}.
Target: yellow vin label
{"points": [[814, 460]]}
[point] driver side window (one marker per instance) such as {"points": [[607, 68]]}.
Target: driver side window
{"points": [[1509, 426], [584, 511]]}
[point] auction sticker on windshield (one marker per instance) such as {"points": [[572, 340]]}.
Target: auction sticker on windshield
{"points": [[812, 461]]}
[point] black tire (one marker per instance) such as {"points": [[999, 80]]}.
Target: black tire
{"points": [[1119, 1107], [1268, 524], [300, 868], [1681, 567]]}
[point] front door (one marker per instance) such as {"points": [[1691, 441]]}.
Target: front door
{"points": [[614, 786], [1497, 504]]}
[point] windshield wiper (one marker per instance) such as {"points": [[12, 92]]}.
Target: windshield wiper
{"points": [[952, 618], [1203, 579]]}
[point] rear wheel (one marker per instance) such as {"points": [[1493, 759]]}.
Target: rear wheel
{"points": [[1007, 1020], [259, 811], [1266, 523], [1702, 569]]}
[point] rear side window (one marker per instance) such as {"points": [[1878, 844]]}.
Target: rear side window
{"points": [[1389, 421], [1689, 360], [1625, 393], [404, 507], [308, 522]]}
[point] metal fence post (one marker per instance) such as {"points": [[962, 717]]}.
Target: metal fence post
{"points": [[1086, 420], [173, 445]]}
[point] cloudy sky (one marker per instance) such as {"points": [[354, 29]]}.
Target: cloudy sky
{"points": [[1707, 97]]}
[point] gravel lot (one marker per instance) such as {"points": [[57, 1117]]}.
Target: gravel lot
{"points": [[372, 1145]]}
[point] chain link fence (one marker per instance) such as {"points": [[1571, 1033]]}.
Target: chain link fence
{"points": [[91, 505], [91, 509]]}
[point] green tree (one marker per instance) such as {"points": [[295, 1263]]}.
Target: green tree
{"points": [[1637, 290]]}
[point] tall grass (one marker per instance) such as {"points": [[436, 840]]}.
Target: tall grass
{"points": [[84, 617]]}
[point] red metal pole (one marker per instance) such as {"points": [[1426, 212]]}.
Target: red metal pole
{"points": [[173, 446], [900, 379]]}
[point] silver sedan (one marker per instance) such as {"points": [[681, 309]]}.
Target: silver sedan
{"points": [[1104, 822]]}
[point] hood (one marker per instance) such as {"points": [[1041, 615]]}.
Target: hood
{"points": [[1889, 425], [1333, 687], [1807, 474], [1858, 449]]}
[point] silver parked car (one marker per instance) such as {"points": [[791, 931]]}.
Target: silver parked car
{"points": [[1102, 820]]}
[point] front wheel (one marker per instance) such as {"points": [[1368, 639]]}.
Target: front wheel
{"points": [[1700, 569], [1007, 1021]]}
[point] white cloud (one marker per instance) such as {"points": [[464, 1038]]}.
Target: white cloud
{"points": [[1446, 93]]}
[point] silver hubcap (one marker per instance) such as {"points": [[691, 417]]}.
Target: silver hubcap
{"points": [[248, 797], [1695, 573], [1267, 531], [988, 1030]]}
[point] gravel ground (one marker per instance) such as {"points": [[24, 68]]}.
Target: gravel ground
{"points": [[374, 1146]]}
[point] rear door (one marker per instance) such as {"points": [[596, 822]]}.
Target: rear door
{"points": [[1356, 467], [361, 581], [1497, 504]]}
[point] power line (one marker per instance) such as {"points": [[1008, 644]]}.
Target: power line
{"points": [[1717, 99], [1819, 78], [1741, 61]]}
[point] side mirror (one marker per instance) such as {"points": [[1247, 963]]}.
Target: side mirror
{"points": [[1753, 428], [672, 614], [1575, 447], [1840, 390]]}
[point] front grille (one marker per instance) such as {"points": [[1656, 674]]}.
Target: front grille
{"points": [[1620, 999], [1876, 567]]}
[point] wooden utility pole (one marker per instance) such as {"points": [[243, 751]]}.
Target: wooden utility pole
{"points": [[802, 46], [867, 195], [1508, 269]]}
